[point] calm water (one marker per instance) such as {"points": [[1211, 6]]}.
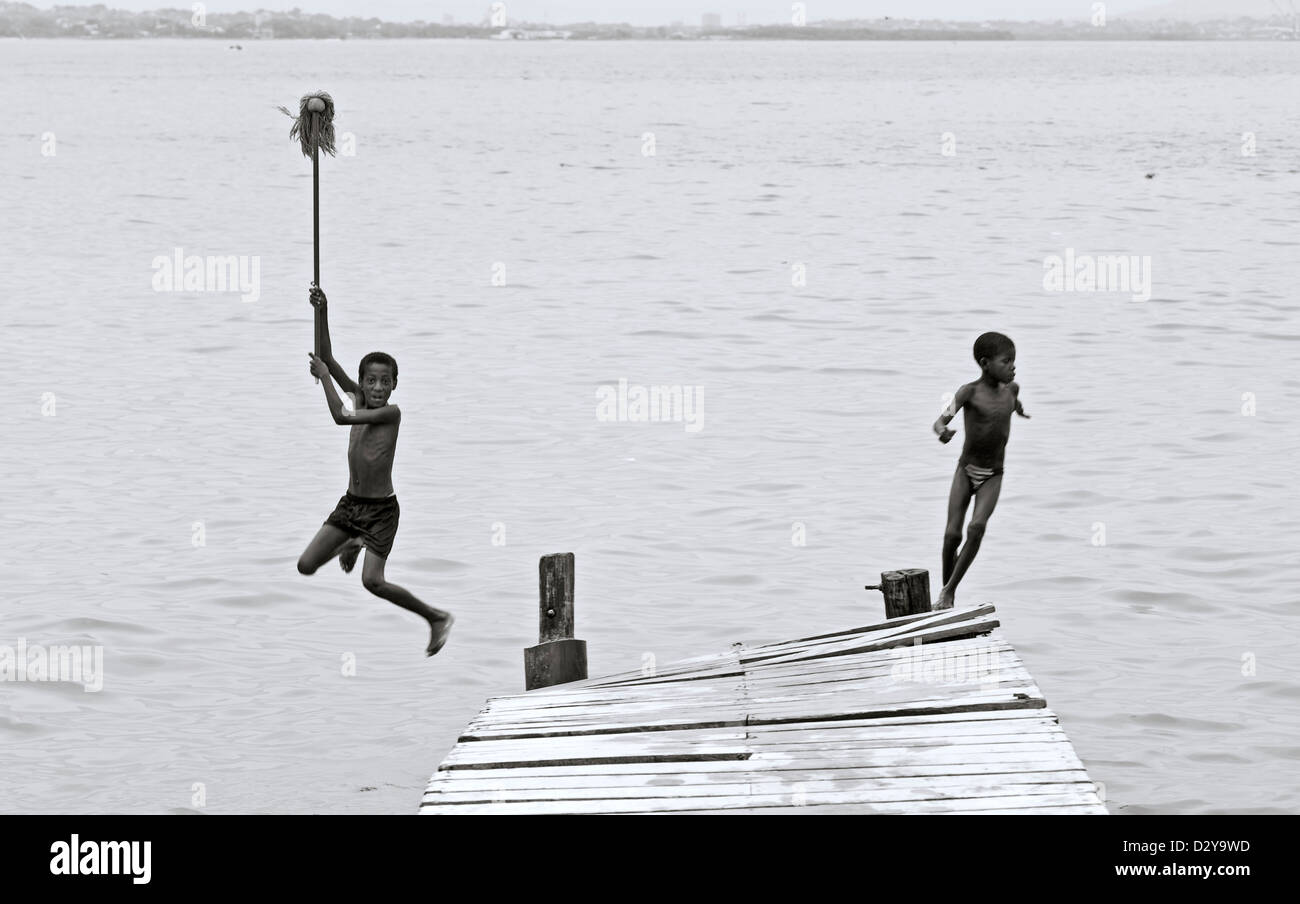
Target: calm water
{"points": [[223, 664]]}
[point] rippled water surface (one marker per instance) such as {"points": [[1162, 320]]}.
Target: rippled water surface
{"points": [[180, 412]]}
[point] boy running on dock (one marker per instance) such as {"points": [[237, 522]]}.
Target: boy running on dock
{"points": [[367, 514], [988, 403]]}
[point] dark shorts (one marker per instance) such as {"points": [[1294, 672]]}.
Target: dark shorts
{"points": [[373, 520]]}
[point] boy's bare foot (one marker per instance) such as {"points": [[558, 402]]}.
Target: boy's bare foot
{"points": [[438, 631], [946, 599], [348, 557]]}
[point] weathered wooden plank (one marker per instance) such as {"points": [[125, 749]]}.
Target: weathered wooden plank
{"points": [[700, 664], [657, 740], [802, 743], [1013, 753], [758, 696], [776, 711], [1049, 752], [947, 616], [949, 623], [965, 669], [762, 698], [915, 788], [731, 696], [1055, 752], [735, 703], [705, 692], [813, 706], [894, 720], [884, 687], [723, 771], [979, 658], [880, 691], [870, 642], [449, 791], [896, 651], [1050, 805], [939, 718], [970, 650], [955, 723], [913, 727], [1055, 793], [582, 759], [765, 716], [713, 771], [1097, 809], [726, 664]]}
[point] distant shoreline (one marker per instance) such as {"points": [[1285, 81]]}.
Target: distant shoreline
{"points": [[20, 20], [126, 39], [1113, 39]]}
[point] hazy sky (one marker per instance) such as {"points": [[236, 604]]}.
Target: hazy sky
{"points": [[661, 12]]}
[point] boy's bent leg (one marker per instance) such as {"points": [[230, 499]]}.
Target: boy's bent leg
{"points": [[372, 578], [958, 501], [327, 543], [986, 497]]}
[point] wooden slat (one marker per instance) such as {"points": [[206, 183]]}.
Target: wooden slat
{"points": [[911, 624], [1042, 804], [870, 642], [750, 784], [775, 713], [719, 771], [901, 800], [887, 624], [756, 743]]}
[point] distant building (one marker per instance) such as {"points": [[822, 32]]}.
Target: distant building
{"points": [[711, 20]]}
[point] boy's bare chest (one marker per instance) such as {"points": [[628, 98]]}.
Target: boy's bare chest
{"points": [[371, 442], [991, 405]]}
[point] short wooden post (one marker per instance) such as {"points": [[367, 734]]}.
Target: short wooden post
{"points": [[907, 591], [558, 658]]}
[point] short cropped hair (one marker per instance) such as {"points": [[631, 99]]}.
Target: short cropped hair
{"points": [[989, 345], [376, 358]]}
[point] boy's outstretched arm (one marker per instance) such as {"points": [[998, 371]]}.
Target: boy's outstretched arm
{"points": [[1020, 409], [389, 414], [321, 304], [960, 398]]}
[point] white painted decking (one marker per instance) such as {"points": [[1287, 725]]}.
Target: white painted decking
{"points": [[860, 721]]}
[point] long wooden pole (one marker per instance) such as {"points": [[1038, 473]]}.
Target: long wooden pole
{"points": [[315, 237], [313, 127]]}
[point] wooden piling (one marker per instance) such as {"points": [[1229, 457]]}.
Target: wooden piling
{"points": [[907, 591], [557, 658]]}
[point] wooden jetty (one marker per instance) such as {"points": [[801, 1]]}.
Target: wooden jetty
{"points": [[924, 713]]}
